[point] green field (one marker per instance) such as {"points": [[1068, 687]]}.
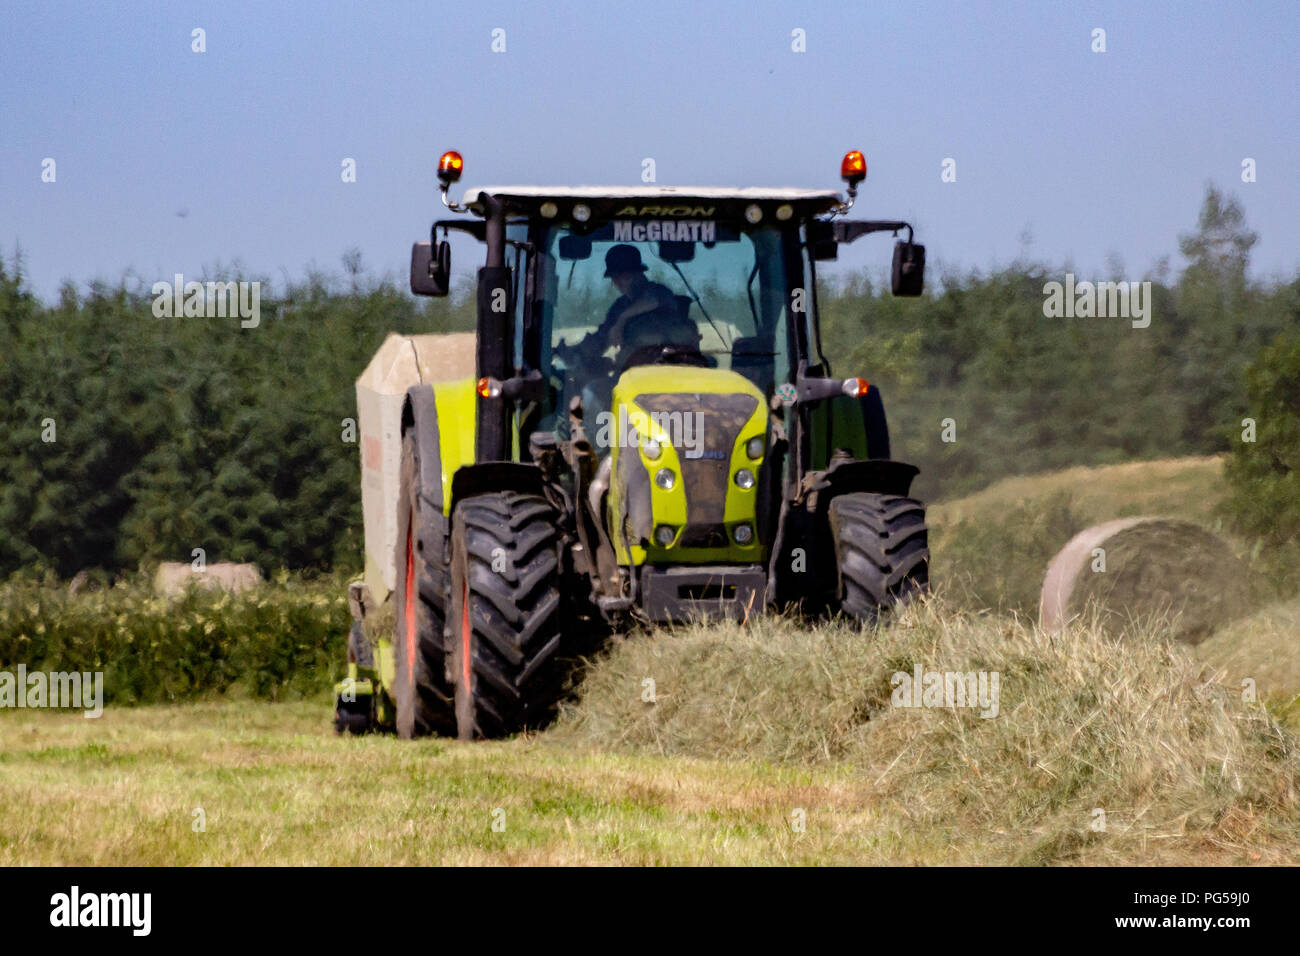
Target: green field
{"points": [[775, 743]]}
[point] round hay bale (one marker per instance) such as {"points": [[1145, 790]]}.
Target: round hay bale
{"points": [[173, 577], [1147, 568]]}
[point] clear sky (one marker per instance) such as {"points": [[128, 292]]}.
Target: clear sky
{"points": [[172, 161]]}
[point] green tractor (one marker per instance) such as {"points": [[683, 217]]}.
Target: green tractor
{"points": [[642, 429]]}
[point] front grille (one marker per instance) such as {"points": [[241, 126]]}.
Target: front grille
{"points": [[704, 536], [716, 421]]}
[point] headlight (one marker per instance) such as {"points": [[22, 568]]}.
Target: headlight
{"points": [[664, 534], [743, 534], [745, 479], [665, 478], [754, 448]]}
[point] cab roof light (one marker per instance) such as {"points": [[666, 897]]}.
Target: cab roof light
{"points": [[450, 166], [853, 169]]}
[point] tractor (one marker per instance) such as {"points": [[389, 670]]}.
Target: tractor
{"points": [[642, 429]]}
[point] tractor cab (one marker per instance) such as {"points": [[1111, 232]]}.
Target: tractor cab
{"points": [[705, 286]]}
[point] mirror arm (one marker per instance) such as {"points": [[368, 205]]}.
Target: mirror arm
{"points": [[850, 230], [453, 206], [816, 388]]}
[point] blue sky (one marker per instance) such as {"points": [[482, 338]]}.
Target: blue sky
{"points": [[1091, 154]]}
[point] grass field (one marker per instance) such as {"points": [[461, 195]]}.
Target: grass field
{"points": [[1188, 488], [991, 549], [277, 787], [750, 727], [777, 743]]}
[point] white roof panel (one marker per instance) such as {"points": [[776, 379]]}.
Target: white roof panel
{"points": [[652, 192]]}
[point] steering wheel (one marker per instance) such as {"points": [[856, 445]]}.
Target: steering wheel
{"points": [[580, 367], [663, 354]]}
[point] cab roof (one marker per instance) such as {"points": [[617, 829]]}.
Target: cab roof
{"points": [[813, 201]]}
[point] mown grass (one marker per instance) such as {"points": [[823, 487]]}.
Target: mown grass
{"points": [[277, 787], [1263, 649], [748, 727], [1091, 719]]}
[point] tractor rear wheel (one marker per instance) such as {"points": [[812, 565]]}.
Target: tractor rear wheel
{"points": [[423, 695], [881, 550], [504, 621]]}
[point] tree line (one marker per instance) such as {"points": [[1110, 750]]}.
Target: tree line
{"points": [[129, 439]]}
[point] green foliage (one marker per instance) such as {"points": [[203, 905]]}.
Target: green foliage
{"points": [[1265, 474], [181, 433], [171, 434], [1029, 393], [278, 640]]}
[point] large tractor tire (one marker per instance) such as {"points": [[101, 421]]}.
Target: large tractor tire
{"points": [[881, 551], [423, 696], [504, 622]]}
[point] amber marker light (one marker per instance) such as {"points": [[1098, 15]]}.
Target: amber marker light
{"points": [[856, 387], [853, 168], [450, 166]]}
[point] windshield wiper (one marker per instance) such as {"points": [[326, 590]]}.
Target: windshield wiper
{"points": [[721, 338], [749, 294]]}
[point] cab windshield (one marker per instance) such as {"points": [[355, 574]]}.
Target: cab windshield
{"points": [[632, 292]]}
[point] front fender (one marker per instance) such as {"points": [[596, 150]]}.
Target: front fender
{"points": [[880, 476], [492, 476], [443, 417]]}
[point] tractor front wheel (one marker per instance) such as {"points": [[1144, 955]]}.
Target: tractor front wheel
{"points": [[504, 615], [881, 550]]}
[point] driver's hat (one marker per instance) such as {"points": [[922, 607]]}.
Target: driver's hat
{"points": [[623, 258]]}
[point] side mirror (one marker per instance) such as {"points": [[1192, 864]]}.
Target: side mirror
{"points": [[821, 240], [431, 268], [908, 275], [574, 248]]}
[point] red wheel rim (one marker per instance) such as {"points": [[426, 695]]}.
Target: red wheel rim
{"points": [[464, 634], [409, 610]]}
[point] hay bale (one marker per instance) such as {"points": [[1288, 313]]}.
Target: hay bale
{"points": [[174, 577], [1153, 567], [87, 581]]}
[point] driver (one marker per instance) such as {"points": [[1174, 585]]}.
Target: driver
{"points": [[643, 313], [637, 296]]}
